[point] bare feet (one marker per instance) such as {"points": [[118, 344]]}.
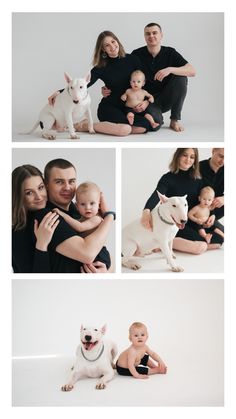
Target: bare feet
{"points": [[81, 126], [151, 120], [176, 126], [130, 117], [208, 237]]}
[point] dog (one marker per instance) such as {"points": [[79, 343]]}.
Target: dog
{"points": [[168, 216], [94, 358], [70, 107]]}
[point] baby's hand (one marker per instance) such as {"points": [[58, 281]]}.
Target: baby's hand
{"points": [[151, 99], [142, 376], [123, 97], [57, 211]]}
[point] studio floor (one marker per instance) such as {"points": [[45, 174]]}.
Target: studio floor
{"points": [[203, 132], [211, 261], [37, 382]]}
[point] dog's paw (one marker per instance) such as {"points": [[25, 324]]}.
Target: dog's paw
{"points": [[135, 266], [74, 137], [177, 269], [67, 387], [91, 131], [49, 136], [100, 386]]}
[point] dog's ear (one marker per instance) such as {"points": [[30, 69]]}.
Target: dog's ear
{"points": [[185, 196], [81, 328], [162, 198], [88, 77], [103, 329], [67, 78]]}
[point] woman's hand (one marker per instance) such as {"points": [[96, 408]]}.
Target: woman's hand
{"points": [[146, 219], [94, 268], [44, 231], [52, 98], [105, 91]]}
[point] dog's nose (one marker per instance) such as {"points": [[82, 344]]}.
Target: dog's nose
{"points": [[88, 338], [183, 221]]}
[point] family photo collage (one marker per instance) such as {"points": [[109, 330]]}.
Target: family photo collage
{"points": [[117, 250]]}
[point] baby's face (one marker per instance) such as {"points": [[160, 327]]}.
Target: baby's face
{"points": [[206, 199], [137, 81], [88, 203], [138, 336]]}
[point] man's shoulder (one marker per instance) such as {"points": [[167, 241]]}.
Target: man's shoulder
{"points": [[139, 51]]}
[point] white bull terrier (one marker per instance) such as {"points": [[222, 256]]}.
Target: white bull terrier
{"points": [[94, 358], [168, 217], [70, 107]]}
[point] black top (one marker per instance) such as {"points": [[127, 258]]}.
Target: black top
{"points": [[211, 178], [167, 57], [25, 258], [116, 75], [178, 184]]}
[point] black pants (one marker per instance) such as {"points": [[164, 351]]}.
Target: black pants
{"points": [[170, 98], [116, 112], [140, 369]]}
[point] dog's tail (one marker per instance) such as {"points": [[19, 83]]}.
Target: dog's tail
{"points": [[32, 129]]}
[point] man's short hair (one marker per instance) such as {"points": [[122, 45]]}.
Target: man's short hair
{"points": [[59, 163], [153, 24]]}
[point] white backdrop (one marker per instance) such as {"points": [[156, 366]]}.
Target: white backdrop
{"points": [[47, 44], [96, 165], [185, 324]]}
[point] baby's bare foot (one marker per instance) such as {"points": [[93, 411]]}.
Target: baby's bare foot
{"points": [[130, 117], [208, 238], [176, 126]]}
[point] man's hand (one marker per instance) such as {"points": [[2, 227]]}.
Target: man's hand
{"points": [[141, 106], [94, 268], [146, 220], [105, 91], [161, 74]]}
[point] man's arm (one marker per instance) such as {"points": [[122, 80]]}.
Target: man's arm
{"points": [[185, 70]]}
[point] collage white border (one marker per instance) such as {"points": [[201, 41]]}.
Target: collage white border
{"points": [[228, 410]]}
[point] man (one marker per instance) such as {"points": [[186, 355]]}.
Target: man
{"points": [[166, 74], [70, 253], [212, 171]]}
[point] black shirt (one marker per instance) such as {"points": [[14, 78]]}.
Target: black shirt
{"points": [[116, 75], [58, 262], [167, 57], [211, 178], [178, 184]]}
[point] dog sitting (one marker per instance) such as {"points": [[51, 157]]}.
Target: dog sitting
{"points": [[94, 358], [70, 107], [168, 216]]}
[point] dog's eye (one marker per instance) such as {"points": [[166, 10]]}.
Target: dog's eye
{"points": [[185, 205], [174, 205], [84, 328], [71, 87], [96, 330], [81, 87]]}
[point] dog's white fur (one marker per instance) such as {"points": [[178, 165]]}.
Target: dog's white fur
{"points": [[100, 354], [70, 107], [139, 241]]}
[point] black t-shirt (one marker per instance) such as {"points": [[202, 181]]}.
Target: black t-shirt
{"points": [[178, 184], [167, 57], [116, 75], [58, 262], [211, 178]]}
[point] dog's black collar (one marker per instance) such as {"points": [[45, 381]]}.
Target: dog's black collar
{"points": [[162, 219], [93, 360]]}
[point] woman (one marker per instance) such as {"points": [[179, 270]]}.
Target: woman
{"points": [[114, 67], [29, 195], [183, 178], [30, 239]]}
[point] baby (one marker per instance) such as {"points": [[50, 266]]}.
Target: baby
{"points": [[87, 204], [199, 215], [132, 97], [135, 360]]}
